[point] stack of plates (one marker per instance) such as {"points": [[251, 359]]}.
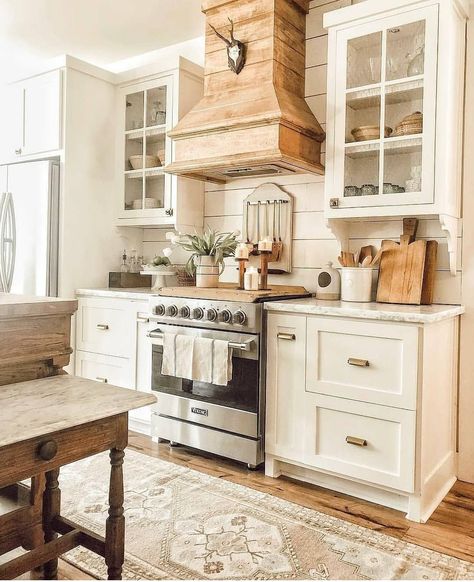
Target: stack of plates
{"points": [[149, 203], [410, 125]]}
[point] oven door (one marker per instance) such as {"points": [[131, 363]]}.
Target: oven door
{"points": [[232, 408]]}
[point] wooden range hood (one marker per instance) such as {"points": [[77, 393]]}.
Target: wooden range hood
{"points": [[256, 123]]}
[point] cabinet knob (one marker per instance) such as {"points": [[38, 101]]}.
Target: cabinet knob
{"points": [[47, 450], [102, 326], [358, 362], [169, 212], [287, 336], [350, 440], [18, 151]]}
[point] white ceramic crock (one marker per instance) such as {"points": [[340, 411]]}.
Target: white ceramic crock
{"points": [[357, 284], [207, 272]]}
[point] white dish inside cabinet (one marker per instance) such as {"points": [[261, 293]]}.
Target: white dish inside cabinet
{"points": [[395, 111]]}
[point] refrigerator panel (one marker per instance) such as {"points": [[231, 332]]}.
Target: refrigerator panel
{"points": [[34, 191]]}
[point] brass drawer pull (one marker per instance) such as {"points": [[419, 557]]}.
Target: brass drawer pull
{"points": [[100, 379], [102, 326], [47, 450], [287, 336], [357, 362], [350, 440]]}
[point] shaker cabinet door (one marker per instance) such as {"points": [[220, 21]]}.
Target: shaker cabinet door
{"points": [[286, 369], [41, 97]]}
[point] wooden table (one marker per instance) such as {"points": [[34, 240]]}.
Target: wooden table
{"points": [[48, 423]]}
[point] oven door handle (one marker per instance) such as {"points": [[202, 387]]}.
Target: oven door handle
{"points": [[245, 346]]}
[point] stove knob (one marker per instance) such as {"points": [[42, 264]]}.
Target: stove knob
{"points": [[184, 312], [159, 309], [239, 317], [211, 314], [225, 316], [171, 311], [198, 313]]}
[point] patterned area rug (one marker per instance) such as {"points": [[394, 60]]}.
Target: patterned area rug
{"points": [[182, 524]]}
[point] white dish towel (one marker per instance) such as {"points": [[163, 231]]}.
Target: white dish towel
{"points": [[197, 358]]}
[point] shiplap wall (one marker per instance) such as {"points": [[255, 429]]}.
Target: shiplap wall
{"points": [[313, 244]]}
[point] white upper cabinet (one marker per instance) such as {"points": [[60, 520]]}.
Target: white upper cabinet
{"points": [[395, 78], [35, 115], [148, 107]]}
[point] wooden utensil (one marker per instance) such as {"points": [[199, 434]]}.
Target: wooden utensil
{"points": [[402, 268], [367, 251], [366, 263]]}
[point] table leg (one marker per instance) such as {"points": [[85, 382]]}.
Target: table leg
{"points": [[51, 509], [115, 526]]}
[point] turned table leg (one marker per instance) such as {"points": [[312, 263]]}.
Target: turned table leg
{"points": [[51, 509], [115, 526]]}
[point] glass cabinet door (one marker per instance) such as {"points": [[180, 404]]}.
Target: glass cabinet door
{"points": [[147, 150], [385, 111]]}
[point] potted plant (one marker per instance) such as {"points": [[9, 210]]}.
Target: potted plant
{"points": [[208, 251]]}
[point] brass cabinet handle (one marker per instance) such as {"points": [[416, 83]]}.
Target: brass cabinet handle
{"points": [[357, 362], [102, 326], [47, 450], [100, 379], [350, 440], [287, 336]]}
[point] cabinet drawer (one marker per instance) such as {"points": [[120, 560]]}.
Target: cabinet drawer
{"points": [[105, 327], [370, 362], [116, 371], [364, 441]]}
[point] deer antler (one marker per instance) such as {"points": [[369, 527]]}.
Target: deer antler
{"points": [[228, 43], [231, 31]]}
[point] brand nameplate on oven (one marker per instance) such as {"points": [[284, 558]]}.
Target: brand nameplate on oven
{"points": [[201, 411]]}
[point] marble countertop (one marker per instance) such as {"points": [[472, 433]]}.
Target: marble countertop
{"points": [[41, 407], [135, 293], [24, 305], [377, 311]]}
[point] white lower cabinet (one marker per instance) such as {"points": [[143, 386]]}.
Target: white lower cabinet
{"points": [[107, 369], [113, 347], [363, 407]]}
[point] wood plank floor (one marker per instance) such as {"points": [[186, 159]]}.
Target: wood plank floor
{"points": [[450, 529]]}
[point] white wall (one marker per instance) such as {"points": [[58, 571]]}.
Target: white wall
{"points": [[313, 243]]}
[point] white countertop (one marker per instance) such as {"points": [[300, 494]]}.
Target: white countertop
{"points": [[135, 293], [378, 311]]}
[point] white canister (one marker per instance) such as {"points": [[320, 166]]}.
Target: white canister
{"points": [[251, 279], [356, 284], [328, 284]]}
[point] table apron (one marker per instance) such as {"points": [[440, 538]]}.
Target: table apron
{"points": [[21, 460]]}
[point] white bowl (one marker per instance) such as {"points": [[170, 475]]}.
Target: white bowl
{"points": [[150, 162]]}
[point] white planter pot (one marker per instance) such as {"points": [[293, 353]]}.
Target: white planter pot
{"points": [[207, 272]]}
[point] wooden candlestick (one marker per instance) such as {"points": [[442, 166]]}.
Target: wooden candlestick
{"points": [[242, 268], [264, 257]]}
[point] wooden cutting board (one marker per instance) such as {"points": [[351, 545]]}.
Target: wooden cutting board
{"points": [[229, 292], [407, 269]]}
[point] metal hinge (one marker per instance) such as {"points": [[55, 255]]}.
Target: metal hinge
{"points": [[334, 203], [169, 212]]}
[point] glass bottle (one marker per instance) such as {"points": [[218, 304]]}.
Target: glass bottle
{"points": [[124, 268]]}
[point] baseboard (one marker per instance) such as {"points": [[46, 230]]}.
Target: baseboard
{"points": [[140, 426], [391, 499]]}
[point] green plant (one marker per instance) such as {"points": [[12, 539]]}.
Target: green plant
{"points": [[211, 243]]}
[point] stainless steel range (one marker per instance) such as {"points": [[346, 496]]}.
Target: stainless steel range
{"points": [[225, 420]]}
